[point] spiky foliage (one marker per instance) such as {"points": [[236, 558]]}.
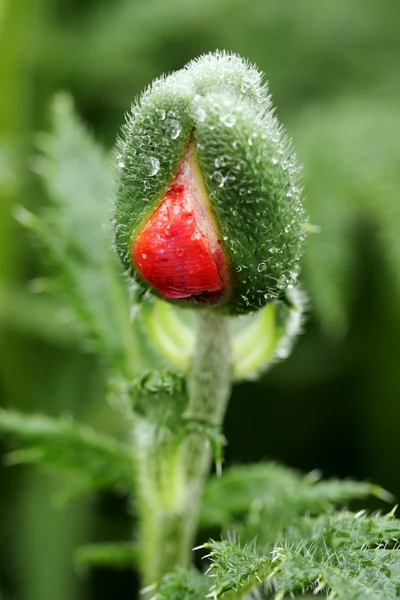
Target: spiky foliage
{"points": [[91, 460], [77, 238], [263, 499], [346, 555], [266, 501], [188, 585]]}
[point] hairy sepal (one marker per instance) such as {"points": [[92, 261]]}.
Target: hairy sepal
{"points": [[254, 190], [153, 141]]}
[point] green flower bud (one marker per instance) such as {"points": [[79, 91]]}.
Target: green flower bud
{"points": [[208, 205]]}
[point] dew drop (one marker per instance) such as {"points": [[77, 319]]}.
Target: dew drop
{"points": [[228, 119], [218, 178], [239, 165], [179, 252], [274, 250], [144, 255], [152, 165], [173, 128], [261, 267], [200, 115], [291, 192], [282, 282]]}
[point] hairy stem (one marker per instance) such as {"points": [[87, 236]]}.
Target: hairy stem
{"points": [[172, 477]]}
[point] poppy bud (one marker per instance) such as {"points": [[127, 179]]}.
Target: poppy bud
{"points": [[208, 204]]}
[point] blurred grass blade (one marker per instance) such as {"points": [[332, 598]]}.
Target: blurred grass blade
{"points": [[119, 554]]}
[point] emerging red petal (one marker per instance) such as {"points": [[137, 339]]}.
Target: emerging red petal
{"points": [[179, 251]]}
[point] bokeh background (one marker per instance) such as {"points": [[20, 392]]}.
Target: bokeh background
{"points": [[333, 69]]}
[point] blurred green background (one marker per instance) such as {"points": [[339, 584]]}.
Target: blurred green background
{"points": [[333, 69]]}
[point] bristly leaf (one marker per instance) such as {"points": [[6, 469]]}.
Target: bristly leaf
{"points": [[95, 460], [118, 554], [182, 585], [269, 497], [351, 555], [341, 529], [79, 180], [234, 566], [345, 555]]}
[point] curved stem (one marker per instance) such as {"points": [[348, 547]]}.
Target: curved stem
{"points": [[172, 477]]}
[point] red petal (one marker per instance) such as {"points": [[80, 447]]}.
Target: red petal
{"points": [[179, 250]]}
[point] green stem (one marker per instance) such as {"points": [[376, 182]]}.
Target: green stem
{"points": [[171, 478]]}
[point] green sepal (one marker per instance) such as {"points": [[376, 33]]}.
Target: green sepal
{"points": [[254, 190], [153, 141], [259, 340]]}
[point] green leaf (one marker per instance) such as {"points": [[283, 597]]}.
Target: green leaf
{"points": [[266, 498], [95, 460], [340, 529], [122, 554], [182, 585], [77, 235], [235, 567], [345, 555], [37, 315], [337, 553]]}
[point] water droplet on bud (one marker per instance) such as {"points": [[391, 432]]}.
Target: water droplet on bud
{"points": [[228, 119], [218, 178], [173, 128], [151, 165], [200, 115]]}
